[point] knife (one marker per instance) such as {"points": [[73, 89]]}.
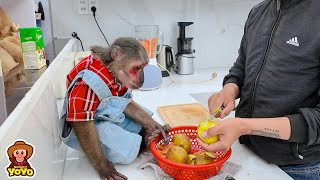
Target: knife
{"points": [[215, 112]]}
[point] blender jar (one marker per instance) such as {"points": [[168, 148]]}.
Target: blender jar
{"points": [[149, 36]]}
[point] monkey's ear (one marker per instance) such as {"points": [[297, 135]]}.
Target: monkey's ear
{"points": [[116, 53]]}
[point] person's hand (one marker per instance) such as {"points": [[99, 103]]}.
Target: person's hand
{"points": [[228, 130], [110, 173], [225, 98]]}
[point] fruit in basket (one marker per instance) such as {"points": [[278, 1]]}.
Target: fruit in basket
{"points": [[210, 154], [189, 171], [204, 126], [177, 154], [204, 158], [191, 158], [163, 149], [183, 141]]}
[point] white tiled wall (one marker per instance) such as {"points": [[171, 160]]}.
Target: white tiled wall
{"points": [[217, 28]]}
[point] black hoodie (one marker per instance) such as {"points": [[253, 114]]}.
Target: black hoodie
{"points": [[278, 73]]}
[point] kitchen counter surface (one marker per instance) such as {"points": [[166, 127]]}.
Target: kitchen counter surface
{"points": [[188, 91]]}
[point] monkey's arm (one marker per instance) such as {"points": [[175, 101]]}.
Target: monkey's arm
{"points": [[90, 143], [135, 112]]}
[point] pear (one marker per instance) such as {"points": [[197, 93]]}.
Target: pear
{"points": [[177, 154], [213, 156], [191, 158], [204, 126], [163, 149], [183, 141], [204, 158], [198, 153]]}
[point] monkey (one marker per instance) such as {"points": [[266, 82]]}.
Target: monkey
{"points": [[124, 60]]}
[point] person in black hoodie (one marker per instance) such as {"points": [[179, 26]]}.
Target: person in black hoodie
{"points": [[277, 78]]}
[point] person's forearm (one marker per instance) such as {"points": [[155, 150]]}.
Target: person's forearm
{"points": [[268, 127], [231, 89], [90, 143]]}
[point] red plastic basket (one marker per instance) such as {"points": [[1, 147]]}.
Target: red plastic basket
{"points": [[185, 171]]}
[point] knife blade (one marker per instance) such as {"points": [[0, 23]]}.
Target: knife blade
{"points": [[215, 112]]}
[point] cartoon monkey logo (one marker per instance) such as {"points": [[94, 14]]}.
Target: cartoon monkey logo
{"points": [[19, 154]]}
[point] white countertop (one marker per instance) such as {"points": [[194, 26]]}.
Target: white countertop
{"points": [[252, 167]]}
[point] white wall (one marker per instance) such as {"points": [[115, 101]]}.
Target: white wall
{"points": [[217, 29], [20, 11]]}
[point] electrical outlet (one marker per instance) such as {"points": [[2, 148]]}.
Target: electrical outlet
{"points": [[83, 7], [94, 3]]}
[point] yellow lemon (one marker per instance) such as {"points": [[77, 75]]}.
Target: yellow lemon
{"points": [[204, 126]]}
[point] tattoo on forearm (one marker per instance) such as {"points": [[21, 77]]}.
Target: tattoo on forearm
{"points": [[267, 132]]}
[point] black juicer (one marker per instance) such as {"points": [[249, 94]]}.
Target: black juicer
{"points": [[185, 54]]}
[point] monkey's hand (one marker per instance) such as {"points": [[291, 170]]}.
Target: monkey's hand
{"points": [[135, 112], [149, 135], [108, 172], [154, 129]]}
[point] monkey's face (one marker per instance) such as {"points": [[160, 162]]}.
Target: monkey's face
{"points": [[20, 154], [132, 75]]}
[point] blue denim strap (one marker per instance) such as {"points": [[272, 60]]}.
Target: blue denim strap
{"points": [[99, 87], [93, 81]]}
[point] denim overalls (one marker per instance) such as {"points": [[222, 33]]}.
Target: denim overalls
{"points": [[119, 135]]}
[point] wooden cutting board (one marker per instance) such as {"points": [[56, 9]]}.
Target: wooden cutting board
{"points": [[183, 114]]}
